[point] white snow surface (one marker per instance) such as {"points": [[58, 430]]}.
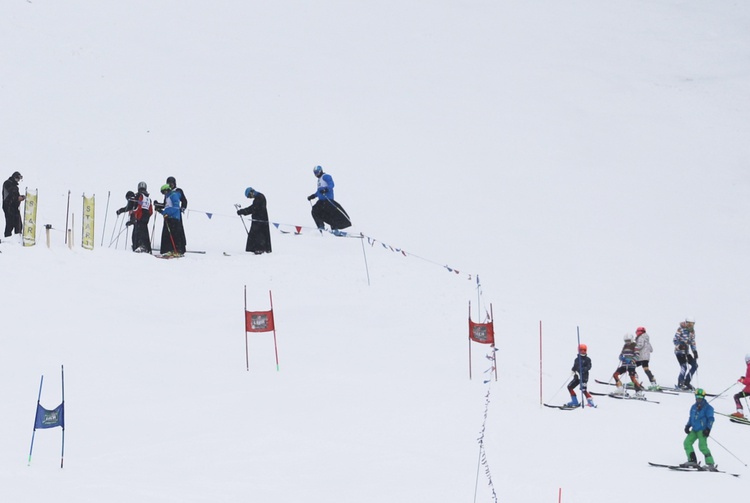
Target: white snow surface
{"points": [[588, 159]]}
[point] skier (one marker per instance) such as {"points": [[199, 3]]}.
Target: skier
{"points": [[698, 428], [142, 214], [11, 204], [581, 368], [327, 210], [170, 208], [179, 233], [259, 237], [628, 363], [745, 391], [643, 351], [684, 342]]}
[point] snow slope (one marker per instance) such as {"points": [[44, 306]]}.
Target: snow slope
{"points": [[588, 160]]}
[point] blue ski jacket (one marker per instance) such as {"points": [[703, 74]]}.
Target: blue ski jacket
{"points": [[701, 416], [325, 187], [172, 205]]}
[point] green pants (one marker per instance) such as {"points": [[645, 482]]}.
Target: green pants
{"points": [[702, 445]]}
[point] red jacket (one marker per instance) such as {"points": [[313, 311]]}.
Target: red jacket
{"points": [[746, 380]]}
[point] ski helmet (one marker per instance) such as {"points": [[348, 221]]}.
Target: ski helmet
{"points": [[129, 194], [640, 330], [747, 358], [142, 186], [171, 181], [249, 192], [583, 349], [689, 319], [699, 393], [165, 188], [627, 337], [317, 170]]}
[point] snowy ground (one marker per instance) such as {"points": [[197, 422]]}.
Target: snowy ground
{"points": [[588, 160]]}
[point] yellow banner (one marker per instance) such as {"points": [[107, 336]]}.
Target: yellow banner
{"points": [[29, 219], [87, 238]]}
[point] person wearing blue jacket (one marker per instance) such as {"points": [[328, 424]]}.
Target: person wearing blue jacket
{"points": [[171, 242], [698, 428], [327, 210]]}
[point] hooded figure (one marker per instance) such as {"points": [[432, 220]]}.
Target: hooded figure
{"points": [[259, 237], [11, 204]]}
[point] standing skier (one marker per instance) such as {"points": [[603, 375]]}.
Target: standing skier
{"points": [[179, 232], [745, 391], [327, 210], [643, 351], [142, 213], [259, 237], [684, 342], [11, 204], [581, 368], [170, 208], [627, 364], [698, 428]]}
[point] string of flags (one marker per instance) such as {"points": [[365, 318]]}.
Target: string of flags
{"points": [[297, 230]]}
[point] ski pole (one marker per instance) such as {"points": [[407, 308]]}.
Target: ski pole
{"points": [[243, 220], [114, 229], [565, 382], [718, 395], [106, 214], [730, 452]]}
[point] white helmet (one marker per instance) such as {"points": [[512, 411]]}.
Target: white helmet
{"points": [[689, 319], [747, 358], [627, 337]]}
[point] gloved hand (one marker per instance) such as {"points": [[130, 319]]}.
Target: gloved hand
{"points": [[239, 212], [695, 354], [311, 197], [741, 380], [706, 432], [128, 223], [687, 429], [120, 211], [324, 191]]}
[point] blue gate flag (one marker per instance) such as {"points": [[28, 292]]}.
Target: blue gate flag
{"points": [[50, 418]]}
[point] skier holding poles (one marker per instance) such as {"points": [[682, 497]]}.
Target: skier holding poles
{"points": [[581, 368], [698, 428], [745, 391]]}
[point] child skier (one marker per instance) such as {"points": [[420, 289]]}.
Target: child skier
{"points": [[684, 343], [628, 363], [745, 391], [643, 351], [698, 428], [581, 367]]}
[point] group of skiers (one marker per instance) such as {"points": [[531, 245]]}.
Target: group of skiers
{"points": [[173, 242], [636, 352]]}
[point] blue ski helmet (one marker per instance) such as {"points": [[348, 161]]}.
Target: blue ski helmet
{"points": [[249, 192], [317, 170]]}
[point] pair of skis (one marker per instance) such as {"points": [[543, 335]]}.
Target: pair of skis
{"points": [[735, 419], [699, 468], [629, 386]]}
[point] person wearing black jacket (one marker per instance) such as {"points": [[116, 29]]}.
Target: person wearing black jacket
{"points": [[11, 204], [259, 237]]}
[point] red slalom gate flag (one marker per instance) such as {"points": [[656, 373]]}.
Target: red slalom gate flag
{"points": [[259, 321], [483, 333]]}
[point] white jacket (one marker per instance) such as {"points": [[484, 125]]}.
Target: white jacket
{"points": [[643, 347]]}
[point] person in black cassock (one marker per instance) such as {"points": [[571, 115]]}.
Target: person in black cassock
{"points": [[11, 204], [179, 231], [327, 210], [259, 237]]}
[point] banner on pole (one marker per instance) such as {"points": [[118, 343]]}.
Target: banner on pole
{"points": [[87, 235], [259, 321], [50, 418], [29, 219], [483, 333]]}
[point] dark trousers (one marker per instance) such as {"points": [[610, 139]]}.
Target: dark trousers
{"points": [[141, 238], [13, 222], [172, 236]]}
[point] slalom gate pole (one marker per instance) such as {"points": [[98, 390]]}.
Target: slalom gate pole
{"points": [[580, 369], [541, 399], [106, 214], [34, 432], [367, 269], [247, 357], [275, 347], [469, 341], [494, 350], [62, 451], [67, 214], [243, 220], [730, 452]]}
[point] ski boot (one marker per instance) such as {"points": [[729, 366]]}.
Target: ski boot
{"points": [[712, 468], [691, 463], [590, 403], [573, 401], [738, 414]]}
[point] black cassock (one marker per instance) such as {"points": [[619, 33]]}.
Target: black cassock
{"points": [[259, 237]]}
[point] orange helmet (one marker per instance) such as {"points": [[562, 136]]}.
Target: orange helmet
{"points": [[582, 348], [640, 330]]}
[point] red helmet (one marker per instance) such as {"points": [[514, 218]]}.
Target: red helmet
{"points": [[640, 331], [582, 348]]}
